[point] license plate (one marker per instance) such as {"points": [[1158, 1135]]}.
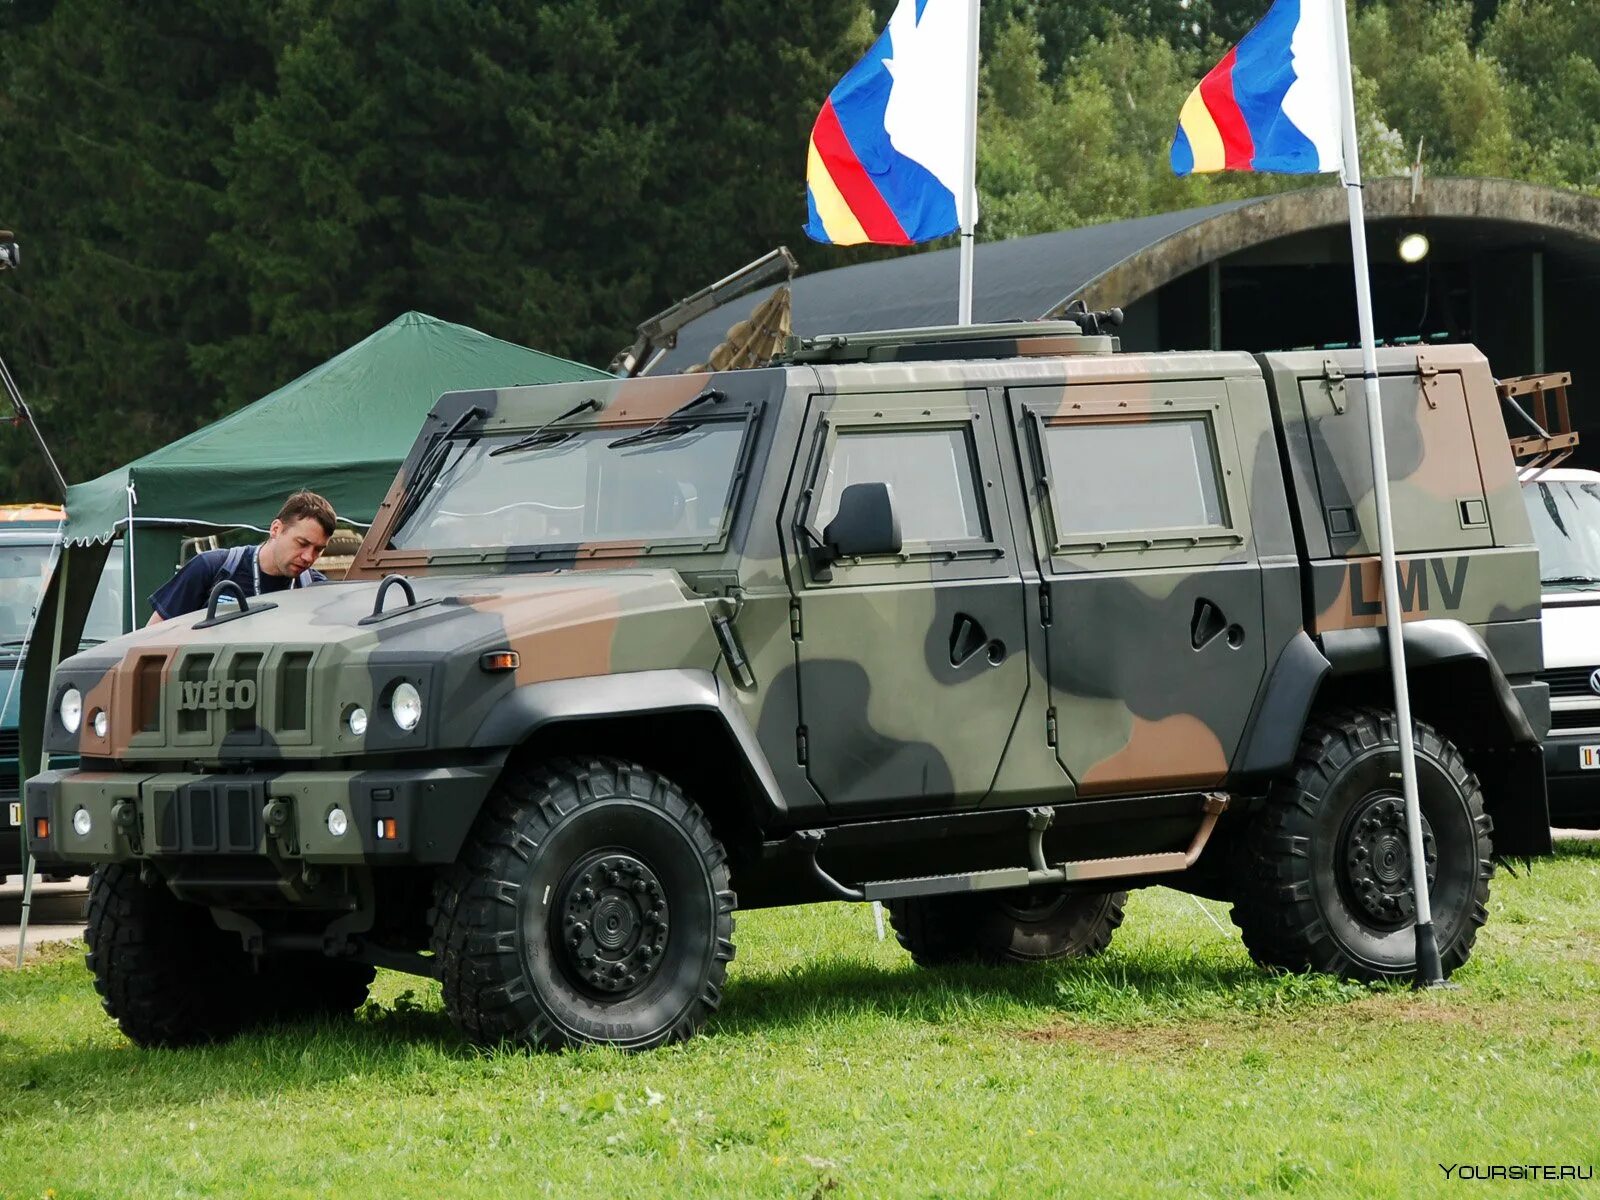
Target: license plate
{"points": [[14, 813], [1589, 758]]}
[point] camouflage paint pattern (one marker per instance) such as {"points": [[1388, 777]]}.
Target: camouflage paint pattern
{"points": [[1015, 668]]}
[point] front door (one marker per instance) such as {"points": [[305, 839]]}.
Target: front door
{"points": [[913, 666], [1155, 648]]}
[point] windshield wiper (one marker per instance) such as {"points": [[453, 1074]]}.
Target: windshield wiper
{"points": [[430, 466], [13, 643], [538, 438], [1572, 579], [662, 428]]}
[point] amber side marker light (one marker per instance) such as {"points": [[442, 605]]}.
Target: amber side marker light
{"points": [[500, 660], [41, 827], [387, 831]]}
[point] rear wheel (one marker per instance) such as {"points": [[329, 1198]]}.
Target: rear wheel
{"points": [[1033, 925], [591, 905], [1325, 881], [163, 969]]}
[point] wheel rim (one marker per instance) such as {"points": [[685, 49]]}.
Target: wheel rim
{"points": [[1375, 856], [611, 924]]}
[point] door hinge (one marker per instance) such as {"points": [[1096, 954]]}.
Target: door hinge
{"points": [[1050, 726], [1429, 375], [1333, 380], [802, 746], [1044, 604], [794, 620]]}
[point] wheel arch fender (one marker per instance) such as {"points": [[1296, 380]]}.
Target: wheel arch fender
{"points": [[648, 705], [1459, 689]]}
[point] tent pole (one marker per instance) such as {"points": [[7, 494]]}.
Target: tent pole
{"points": [[44, 755]]}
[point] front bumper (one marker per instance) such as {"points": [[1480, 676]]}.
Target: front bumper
{"points": [[411, 815], [1574, 791]]}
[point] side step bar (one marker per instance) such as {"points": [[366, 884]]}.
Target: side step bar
{"points": [[1039, 819]]}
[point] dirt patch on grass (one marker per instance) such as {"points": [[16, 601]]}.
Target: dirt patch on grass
{"points": [[42, 954], [1208, 1035], [1160, 1041]]}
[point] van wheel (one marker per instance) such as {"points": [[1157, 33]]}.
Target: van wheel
{"points": [[591, 905], [163, 969], [1326, 875], [1030, 925]]}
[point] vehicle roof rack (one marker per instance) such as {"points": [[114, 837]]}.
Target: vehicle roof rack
{"points": [[935, 342], [1550, 444]]}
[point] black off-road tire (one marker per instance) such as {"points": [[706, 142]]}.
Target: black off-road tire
{"points": [[164, 971], [300, 987], [591, 904], [1325, 878], [1036, 925]]}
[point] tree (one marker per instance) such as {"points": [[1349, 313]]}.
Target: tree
{"points": [[113, 116]]}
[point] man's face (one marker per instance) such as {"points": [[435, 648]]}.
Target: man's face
{"points": [[296, 547]]}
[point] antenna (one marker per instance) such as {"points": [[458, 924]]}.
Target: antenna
{"points": [[10, 260]]}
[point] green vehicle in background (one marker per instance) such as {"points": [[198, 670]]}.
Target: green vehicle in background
{"points": [[28, 534], [989, 624]]}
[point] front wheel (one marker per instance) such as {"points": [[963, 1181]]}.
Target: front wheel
{"points": [[1325, 882], [591, 905], [163, 969]]}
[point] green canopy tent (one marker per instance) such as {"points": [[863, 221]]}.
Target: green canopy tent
{"points": [[341, 429]]}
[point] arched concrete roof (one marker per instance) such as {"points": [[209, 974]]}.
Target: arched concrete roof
{"points": [[1543, 211], [1120, 262]]}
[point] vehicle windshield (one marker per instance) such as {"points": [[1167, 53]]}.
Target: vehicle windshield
{"points": [[23, 572], [575, 486], [1566, 526], [109, 607]]}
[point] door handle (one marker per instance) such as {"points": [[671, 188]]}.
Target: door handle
{"points": [[968, 640], [1207, 623]]}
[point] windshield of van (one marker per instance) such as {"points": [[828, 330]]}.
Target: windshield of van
{"points": [[579, 486], [106, 611], [1566, 526], [23, 571]]}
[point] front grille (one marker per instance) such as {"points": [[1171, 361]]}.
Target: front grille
{"points": [[217, 818], [1569, 681], [203, 695], [1575, 718], [10, 743]]}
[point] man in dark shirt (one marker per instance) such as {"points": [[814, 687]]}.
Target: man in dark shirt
{"points": [[298, 536]]}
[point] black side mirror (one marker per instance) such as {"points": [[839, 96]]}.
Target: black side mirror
{"points": [[864, 524]]}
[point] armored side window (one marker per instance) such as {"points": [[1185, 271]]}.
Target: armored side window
{"points": [[931, 474], [1149, 478]]}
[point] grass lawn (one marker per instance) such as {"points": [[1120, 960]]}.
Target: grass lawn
{"points": [[837, 1069]]}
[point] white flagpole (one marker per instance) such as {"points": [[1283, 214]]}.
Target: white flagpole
{"points": [[1429, 970], [968, 200]]}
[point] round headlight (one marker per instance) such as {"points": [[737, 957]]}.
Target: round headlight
{"points": [[81, 822], [357, 720], [70, 709], [100, 722], [405, 706], [338, 822]]}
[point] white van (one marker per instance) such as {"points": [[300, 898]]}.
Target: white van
{"points": [[1564, 506]]}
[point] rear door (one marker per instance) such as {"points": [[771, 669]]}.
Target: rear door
{"points": [[912, 667], [1155, 643]]}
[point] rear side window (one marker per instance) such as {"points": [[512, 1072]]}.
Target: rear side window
{"points": [[931, 475], [1139, 478]]}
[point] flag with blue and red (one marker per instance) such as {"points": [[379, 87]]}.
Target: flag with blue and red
{"points": [[1272, 104], [886, 157]]}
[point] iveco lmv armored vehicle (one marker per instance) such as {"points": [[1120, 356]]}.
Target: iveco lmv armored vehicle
{"points": [[988, 624]]}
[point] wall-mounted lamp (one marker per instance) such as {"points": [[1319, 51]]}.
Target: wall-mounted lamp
{"points": [[1413, 247]]}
